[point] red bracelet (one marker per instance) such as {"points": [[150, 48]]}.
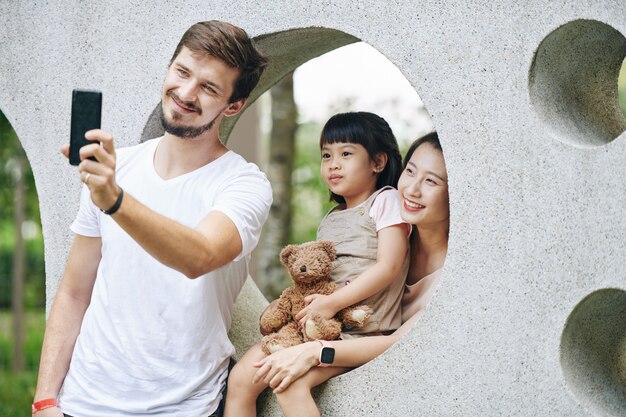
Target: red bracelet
{"points": [[43, 404]]}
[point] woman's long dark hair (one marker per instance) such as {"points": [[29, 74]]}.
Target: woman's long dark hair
{"points": [[374, 134], [431, 138]]}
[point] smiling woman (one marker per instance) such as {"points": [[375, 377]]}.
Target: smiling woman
{"points": [[425, 177]]}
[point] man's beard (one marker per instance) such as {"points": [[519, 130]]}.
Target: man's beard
{"points": [[185, 132]]}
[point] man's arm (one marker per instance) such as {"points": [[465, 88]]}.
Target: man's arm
{"points": [[66, 316], [213, 243]]}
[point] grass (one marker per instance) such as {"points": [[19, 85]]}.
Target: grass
{"points": [[16, 393], [17, 389]]}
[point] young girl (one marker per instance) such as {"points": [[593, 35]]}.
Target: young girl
{"points": [[361, 164]]}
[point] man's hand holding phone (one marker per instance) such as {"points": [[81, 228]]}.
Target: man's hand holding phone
{"points": [[92, 150], [98, 173]]}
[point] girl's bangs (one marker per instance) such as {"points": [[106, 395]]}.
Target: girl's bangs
{"points": [[342, 134]]}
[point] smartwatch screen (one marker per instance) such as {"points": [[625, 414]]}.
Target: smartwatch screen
{"points": [[327, 355]]}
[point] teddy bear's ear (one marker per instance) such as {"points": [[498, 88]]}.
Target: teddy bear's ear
{"points": [[329, 248], [285, 254]]}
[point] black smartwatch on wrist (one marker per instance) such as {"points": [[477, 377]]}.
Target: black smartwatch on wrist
{"points": [[327, 354]]}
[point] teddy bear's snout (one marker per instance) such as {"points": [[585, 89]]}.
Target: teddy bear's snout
{"points": [[303, 268]]}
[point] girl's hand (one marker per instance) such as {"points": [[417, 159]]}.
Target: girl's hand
{"points": [[281, 368], [318, 303]]}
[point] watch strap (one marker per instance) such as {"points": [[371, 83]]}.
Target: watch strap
{"points": [[325, 344], [116, 205]]}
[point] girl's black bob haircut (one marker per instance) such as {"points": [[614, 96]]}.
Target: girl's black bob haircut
{"points": [[374, 134]]}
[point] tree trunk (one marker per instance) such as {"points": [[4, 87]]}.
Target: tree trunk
{"points": [[276, 232], [18, 267]]}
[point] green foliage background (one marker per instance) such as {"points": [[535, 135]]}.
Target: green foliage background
{"points": [[10, 149], [17, 389], [310, 200]]}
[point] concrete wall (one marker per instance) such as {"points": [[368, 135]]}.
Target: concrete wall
{"points": [[529, 318]]}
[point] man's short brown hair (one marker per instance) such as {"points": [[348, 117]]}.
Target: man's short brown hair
{"points": [[232, 45]]}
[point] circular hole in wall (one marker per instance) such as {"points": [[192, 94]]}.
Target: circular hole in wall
{"points": [[573, 83], [593, 352]]}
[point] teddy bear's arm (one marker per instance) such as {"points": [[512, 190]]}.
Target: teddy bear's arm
{"points": [[355, 317], [276, 315]]}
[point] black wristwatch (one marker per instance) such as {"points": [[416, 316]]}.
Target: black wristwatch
{"points": [[327, 353]]}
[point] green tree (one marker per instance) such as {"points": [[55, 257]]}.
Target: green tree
{"points": [[277, 230], [19, 217]]}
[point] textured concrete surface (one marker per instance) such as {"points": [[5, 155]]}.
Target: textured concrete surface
{"points": [[593, 352], [572, 83], [523, 97]]}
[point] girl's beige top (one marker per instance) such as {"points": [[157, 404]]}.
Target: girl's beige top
{"points": [[354, 233]]}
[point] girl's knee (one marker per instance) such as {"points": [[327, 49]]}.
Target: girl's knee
{"points": [[297, 400], [244, 370], [240, 375], [241, 393], [240, 382], [300, 388]]}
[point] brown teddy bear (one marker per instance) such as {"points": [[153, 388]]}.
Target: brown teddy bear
{"points": [[309, 265]]}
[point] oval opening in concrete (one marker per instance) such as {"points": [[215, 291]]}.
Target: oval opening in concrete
{"points": [[593, 352], [573, 83]]}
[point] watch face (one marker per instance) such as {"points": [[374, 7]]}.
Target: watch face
{"points": [[327, 355]]}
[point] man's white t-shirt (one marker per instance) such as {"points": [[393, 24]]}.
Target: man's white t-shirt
{"points": [[154, 342]]}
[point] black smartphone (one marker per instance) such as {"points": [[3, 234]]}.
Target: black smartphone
{"points": [[86, 115]]}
